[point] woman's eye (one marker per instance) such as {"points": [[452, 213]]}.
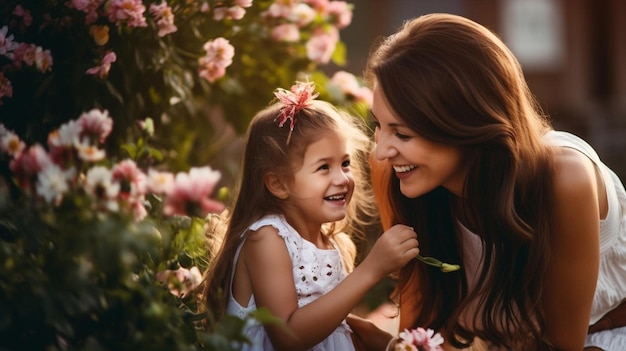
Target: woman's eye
{"points": [[402, 136]]}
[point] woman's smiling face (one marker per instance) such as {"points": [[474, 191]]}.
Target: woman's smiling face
{"points": [[421, 164]]}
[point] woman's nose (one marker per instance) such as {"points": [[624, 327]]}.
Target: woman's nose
{"points": [[384, 149]]}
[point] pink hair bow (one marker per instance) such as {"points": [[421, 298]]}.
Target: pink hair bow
{"points": [[300, 96]]}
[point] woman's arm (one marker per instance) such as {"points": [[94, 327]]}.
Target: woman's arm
{"points": [[269, 269], [572, 273]]}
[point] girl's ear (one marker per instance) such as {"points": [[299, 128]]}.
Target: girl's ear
{"points": [[275, 184]]}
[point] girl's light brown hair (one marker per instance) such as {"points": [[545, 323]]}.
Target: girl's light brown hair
{"points": [[454, 82], [266, 151]]}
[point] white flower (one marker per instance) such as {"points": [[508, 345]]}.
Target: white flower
{"points": [[99, 184], [52, 183]]}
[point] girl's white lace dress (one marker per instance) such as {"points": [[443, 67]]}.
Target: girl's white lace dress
{"points": [[315, 272]]}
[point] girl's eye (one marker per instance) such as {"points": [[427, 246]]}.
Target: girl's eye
{"points": [[376, 124], [345, 164], [323, 167]]}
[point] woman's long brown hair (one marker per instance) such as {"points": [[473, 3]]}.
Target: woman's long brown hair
{"points": [[454, 82]]}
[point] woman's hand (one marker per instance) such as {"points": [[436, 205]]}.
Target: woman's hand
{"points": [[366, 335]]}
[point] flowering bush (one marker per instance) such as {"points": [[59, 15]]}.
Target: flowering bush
{"points": [[186, 64]]}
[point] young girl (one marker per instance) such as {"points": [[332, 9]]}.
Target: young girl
{"points": [[303, 186], [536, 220]]}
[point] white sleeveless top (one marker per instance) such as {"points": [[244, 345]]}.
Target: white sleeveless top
{"points": [[611, 285], [315, 272]]}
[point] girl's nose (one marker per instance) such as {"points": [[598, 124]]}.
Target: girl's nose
{"points": [[341, 177]]}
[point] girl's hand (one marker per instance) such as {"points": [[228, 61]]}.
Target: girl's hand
{"points": [[393, 249]]}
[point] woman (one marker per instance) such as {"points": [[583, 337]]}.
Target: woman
{"points": [[466, 158]]}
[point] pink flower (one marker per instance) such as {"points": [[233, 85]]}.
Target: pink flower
{"points": [[233, 12], [321, 46], [243, 3], [164, 18], [27, 18], [7, 45], [28, 163], [190, 193], [89, 7], [419, 339], [102, 70], [340, 12], [96, 124], [181, 281], [349, 85], [24, 53], [286, 32], [127, 11], [302, 15], [132, 180], [219, 55], [43, 60]]}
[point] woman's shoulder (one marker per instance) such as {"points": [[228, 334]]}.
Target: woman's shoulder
{"points": [[575, 177]]}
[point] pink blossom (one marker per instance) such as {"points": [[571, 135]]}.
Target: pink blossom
{"points": [[318, 4], [164, 18], [219, 55], [233, 12], [27, 18], [24, 53], [28, 163], [131, 179], [127, 11], [286, 32], [211, 71], [190, 193], [340, 13], [302, 15], [102, 70], [61, 142], [349, 85], [43, 60], [182, 281], [419, 339], [96, 124], [89, 7], [321, 46], [243, 3], [7, 45], [6, 88]]}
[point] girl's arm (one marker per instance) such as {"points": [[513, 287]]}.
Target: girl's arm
{"points": [[269, 267], [572, 274]]}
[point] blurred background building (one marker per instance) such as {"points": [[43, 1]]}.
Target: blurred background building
{"points": [[573, 53]]}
